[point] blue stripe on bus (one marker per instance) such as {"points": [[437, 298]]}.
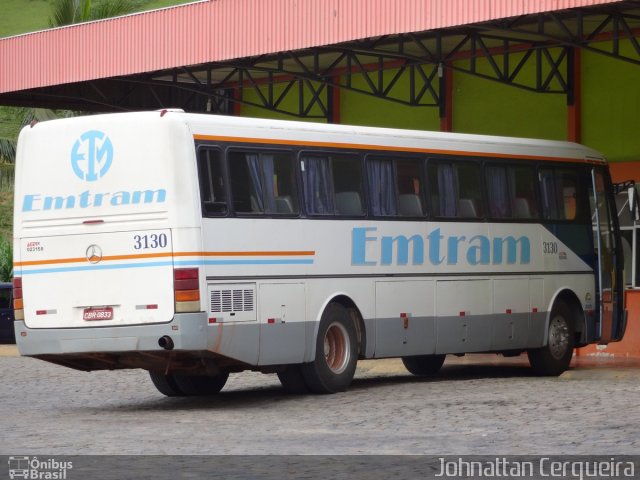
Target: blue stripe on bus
{"points": [[82, 268]]}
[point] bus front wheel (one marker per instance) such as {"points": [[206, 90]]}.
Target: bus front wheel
{"points": [[424, 364], [555, 357], [336, 352]]}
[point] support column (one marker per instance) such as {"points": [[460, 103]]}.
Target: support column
{"points": [[236, 106], [446, 98], [574, 95], [333, 100]]}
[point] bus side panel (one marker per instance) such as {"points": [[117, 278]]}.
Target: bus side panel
{"points": [[411, 329], [237, 341], [538, 312], [464, 319], [282, 323], [512, 314]]}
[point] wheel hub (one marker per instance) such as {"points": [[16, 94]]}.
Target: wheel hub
{"points": [[336, 348], [558, 337]]}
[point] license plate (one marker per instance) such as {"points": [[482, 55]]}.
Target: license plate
{"points": [[103, 313]]}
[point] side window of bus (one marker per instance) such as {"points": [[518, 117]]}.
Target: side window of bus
{"points": [[511, 192], [332, 184], [212, 186], [559, 193], [263, 182], [395, 187], [455, 189]]}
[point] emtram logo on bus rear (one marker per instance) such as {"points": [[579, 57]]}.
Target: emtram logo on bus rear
{"points": [[91, 158], [91, 155]]}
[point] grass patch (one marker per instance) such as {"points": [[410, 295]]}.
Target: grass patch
{"points": [[22, 16]]}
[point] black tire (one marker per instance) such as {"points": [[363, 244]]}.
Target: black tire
{"points": [[194, 385], [165, 384], [424, 364], [292, 380], [188, 385], [336, 352], [555, 357]]}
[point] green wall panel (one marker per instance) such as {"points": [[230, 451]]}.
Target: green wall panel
{"points": [[362, 109], [490, 108], [288, 104], [611, 105]]}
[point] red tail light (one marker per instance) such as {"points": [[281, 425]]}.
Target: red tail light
{"points": [[18, 305], [186, 285], [185, 273], [17, 287]]}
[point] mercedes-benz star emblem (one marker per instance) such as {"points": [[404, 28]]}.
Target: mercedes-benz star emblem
{"points": [[94, 253]]}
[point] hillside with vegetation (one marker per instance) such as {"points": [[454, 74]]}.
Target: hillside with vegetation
{"points": [[23, 16]]}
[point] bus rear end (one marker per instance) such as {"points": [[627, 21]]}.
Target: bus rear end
{"points": [[102, 205]]}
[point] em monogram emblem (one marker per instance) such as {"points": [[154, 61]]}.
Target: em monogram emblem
{"points": [[91, 155]]}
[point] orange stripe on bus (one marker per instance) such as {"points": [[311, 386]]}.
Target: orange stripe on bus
{"points": [[387, 148], [293, 253], [139, 256]]}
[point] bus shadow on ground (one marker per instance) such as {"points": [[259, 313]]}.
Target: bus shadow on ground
{"points": [[260, 397], [447, 374]]}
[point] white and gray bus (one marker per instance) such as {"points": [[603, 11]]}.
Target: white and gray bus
{"points": [[193, 246]]}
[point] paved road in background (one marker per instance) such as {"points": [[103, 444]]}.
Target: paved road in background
{"points": [[487, 408]]}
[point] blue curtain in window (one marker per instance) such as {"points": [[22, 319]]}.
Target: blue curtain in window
{"points": [[497, 192], [382, 188], [549, 198], [268, 173], [316, 181], [447, 190], [261, 170], [257, 191]]}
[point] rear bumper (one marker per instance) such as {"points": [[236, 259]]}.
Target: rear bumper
{"points": [[187, 330]]}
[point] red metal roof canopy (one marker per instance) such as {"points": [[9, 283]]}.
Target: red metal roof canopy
{"points": [[218, 30]]}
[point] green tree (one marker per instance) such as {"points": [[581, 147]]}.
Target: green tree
{"points": [[7, 150], [6, 260], [23, 116], [67, 12]]}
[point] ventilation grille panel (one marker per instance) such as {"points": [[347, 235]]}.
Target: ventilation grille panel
{"points": [[232, 302]]}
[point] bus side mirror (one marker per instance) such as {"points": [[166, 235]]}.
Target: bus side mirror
{"points": [[633, 203], [632, 197]]}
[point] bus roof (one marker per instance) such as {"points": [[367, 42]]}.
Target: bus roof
{"points": [[256, 130], [310, 134]]}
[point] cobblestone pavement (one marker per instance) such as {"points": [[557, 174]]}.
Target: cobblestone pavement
{"points": [[475, 406]]}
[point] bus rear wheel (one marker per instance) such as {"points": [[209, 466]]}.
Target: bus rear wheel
{"points": [[424, 364], [165, 384], [188, 385], [336, 352], [555, 357]]}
